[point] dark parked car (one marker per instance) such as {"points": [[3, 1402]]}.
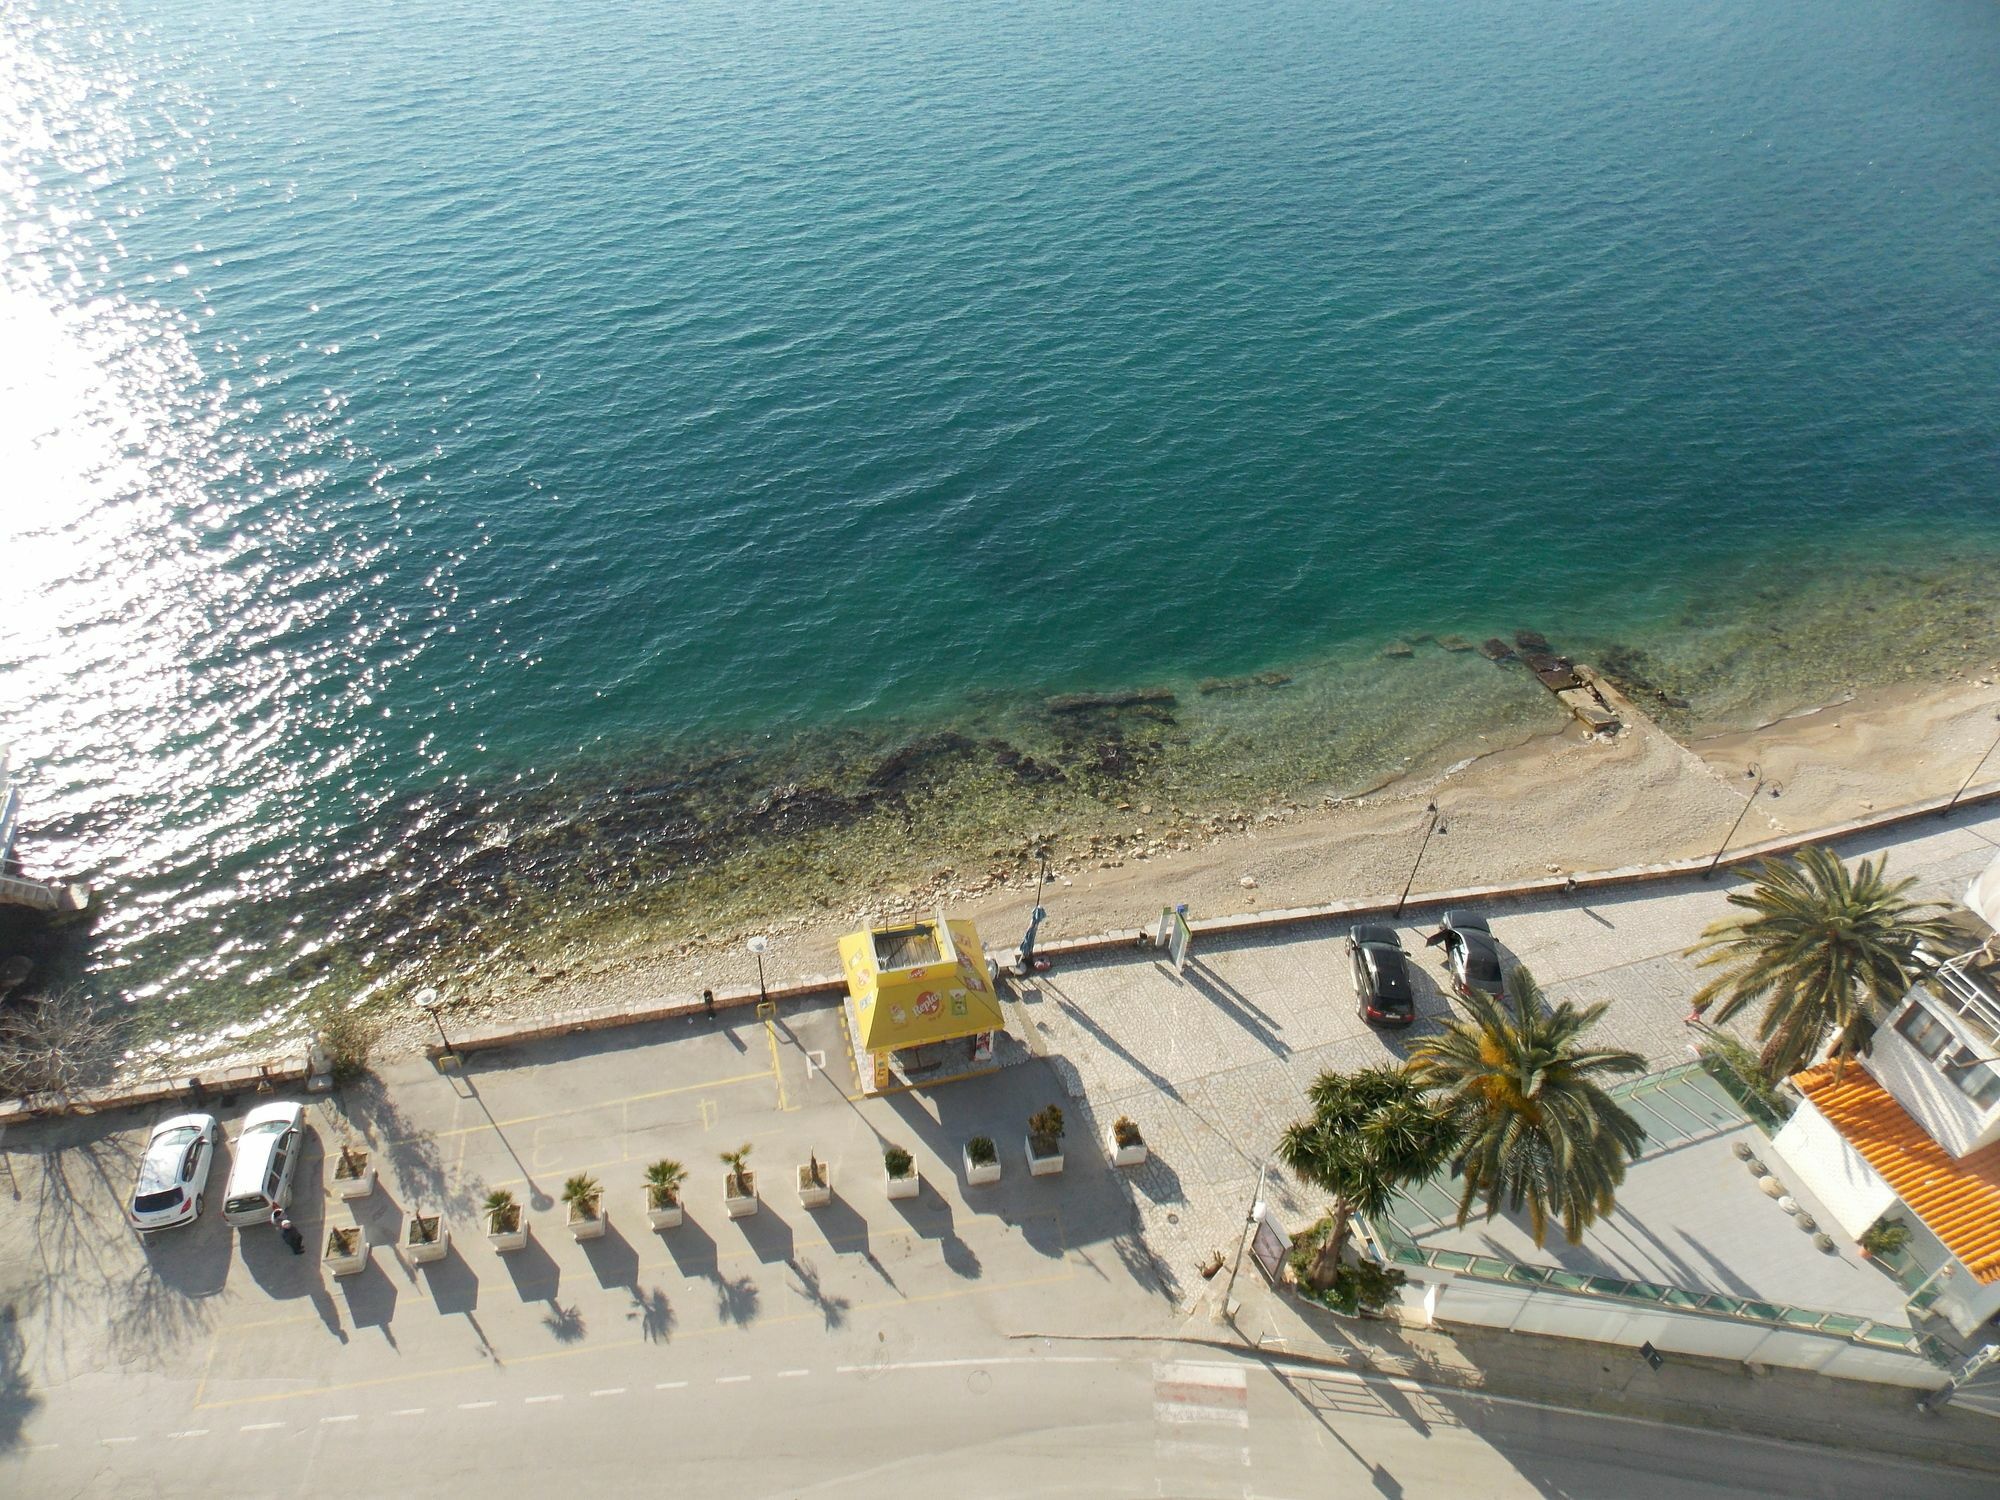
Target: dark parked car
{"points": [[1470, 953], [1381, 976]]}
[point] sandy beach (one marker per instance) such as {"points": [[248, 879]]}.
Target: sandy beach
{"points": [[1552, 803]]}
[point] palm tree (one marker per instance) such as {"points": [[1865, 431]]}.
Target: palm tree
{"points": [[1369, 1133], [738, 1181], [664, 1178], [1539, 1130], [1822, 952]]}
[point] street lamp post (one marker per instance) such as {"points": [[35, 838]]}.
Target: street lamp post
{"points": [[1026, 965], [1945, 811], [760, 945], [1432, 809], [428, 1000], [1728, 838]]}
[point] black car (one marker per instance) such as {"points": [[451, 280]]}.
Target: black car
{"points": [[1381, 976], [1470, 953]]}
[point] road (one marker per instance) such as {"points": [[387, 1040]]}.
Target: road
{"points": [[1011, 1419]]}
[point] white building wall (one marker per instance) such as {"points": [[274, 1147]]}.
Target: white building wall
{"points": [[1819, 1156], [1562, 1315], [1947, 1116]]}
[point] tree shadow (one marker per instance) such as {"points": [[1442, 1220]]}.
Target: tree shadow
{"points": [[655, 1314], [412, 1156], [931, 1218], [736, 1299], [538, 1200], [17, 1399], [832, 1309], [564, 1323]]}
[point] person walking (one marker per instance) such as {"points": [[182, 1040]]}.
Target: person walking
{"points": [[288, 1231]]}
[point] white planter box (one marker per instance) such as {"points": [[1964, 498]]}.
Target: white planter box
{"points": [[504, 1240], [906, 1186], [743, 1207], [1041, 1166], [590, 1228], [977, 1173], [349, 1265], [1125, 1156], [422, 1253], [815, 1194], [668, 1216], [350, 1188]]}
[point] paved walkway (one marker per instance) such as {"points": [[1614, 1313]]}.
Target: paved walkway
{"points": [[1213, 1063]]}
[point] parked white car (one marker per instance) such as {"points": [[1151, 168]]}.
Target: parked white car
{"points": [[267, 1157], [173, 1174]]}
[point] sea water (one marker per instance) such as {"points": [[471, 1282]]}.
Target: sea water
{"points": [[473, 476]]}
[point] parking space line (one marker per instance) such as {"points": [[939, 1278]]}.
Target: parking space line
{"points": [[462, 1131], [769, 1015]]}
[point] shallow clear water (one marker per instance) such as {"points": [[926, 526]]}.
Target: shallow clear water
{"points": [[458, 460]]}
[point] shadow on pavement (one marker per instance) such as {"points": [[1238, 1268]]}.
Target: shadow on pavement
{"points": [[614, 1260], [371, 1296], [17, 1399], [451, 1282], [655, 1314], [769, 1236], [832, 1309], [536, 1275], [409, 1155], [692, 1247]]}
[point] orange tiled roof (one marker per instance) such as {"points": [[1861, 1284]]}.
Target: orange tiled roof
{"points": [[1958, 1200]]}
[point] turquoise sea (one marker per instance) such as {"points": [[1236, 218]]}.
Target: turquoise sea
{"points": [[474, 477]]}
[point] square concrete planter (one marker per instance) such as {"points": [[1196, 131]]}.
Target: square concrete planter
{"points": [[505, 1240], [906, 1186], [346, 1250], [587, 1219], [666, 1215], [424, 1251], [1042, 1166], [740, 1205], [1124, 1156], [980, 1172], [353, 1175], [815, 1192]]}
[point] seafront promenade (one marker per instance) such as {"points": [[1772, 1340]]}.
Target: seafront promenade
{"points": [[215, 1344]]}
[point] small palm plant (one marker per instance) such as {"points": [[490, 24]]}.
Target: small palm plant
{"points": [[1823, 952], [897, 1161], [1539, 1129], [1045, 1129], [740, 1175], [581, 1193], [663, 1182], [502, 1212], [980, 1151]]}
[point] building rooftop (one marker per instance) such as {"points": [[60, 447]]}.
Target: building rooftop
{"points": [[1689, 1217], [1958, 1200]]}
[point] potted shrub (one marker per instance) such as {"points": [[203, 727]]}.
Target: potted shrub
{"points": [[1884, 1237], [585, 1197], [1045, 1128], [427, 1238], [902, 1170], [353, 1173], [346, 1250], [1128, 1147], [982, 1161], [663, 1193], [739, 1184], [815, 1183], [506, 1225]]}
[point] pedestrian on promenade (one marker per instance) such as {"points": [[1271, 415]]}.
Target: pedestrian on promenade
{"points": [[293, 1238]]}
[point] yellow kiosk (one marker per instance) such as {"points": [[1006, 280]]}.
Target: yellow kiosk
{"points": [[922, 1001]]}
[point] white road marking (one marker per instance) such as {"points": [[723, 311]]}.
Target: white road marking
{"points": [[260, 1426], [1181, 1414], [732, 1379], [671, 1385], [792, 1374], [474, 1405], [979, 1364], [538, 1400], [350, 1417], [408, 1411], [191, 1432], [610, 1390], [108, 1441]]}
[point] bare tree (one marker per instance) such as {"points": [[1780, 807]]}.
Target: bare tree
{"points": [[58, 1045]]}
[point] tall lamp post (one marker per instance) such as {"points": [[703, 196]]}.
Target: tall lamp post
{"points": [[1432, 809], [760, 945], [428, 1000], [1945, 811], [1757, 772], [1026, 965]]}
